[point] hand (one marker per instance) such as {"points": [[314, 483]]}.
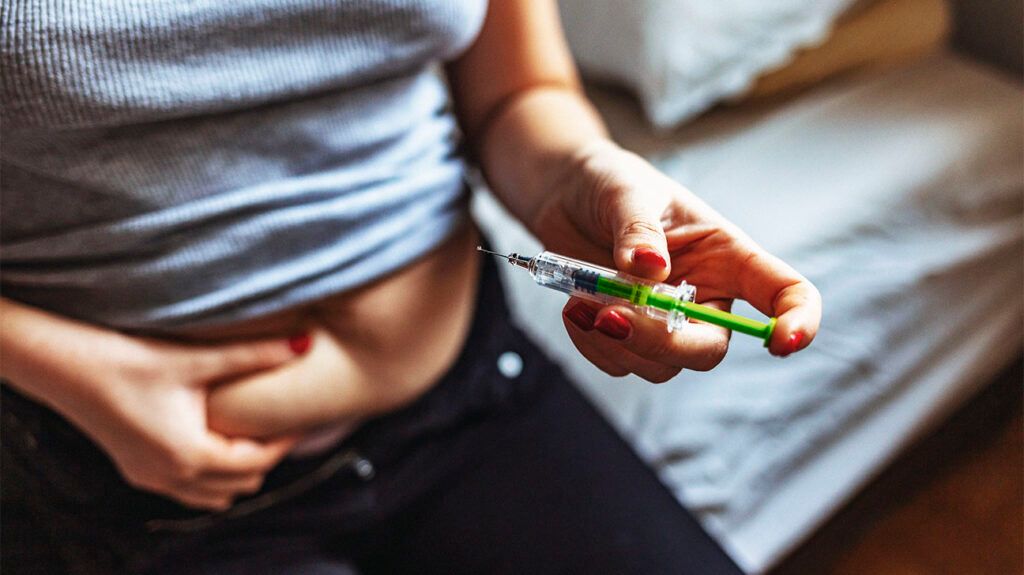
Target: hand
{"points": [[143, 401], [615, 209], [156, 431]]}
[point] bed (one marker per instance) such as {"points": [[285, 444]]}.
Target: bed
{"points": [[901, 195]]}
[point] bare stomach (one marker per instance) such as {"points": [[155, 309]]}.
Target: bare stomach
{"points": [[374, 349]]}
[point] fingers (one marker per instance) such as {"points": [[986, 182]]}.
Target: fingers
{"points": [[776, 289], [618, 339], [217, 494], [201, 499], [239, 467], [799, 315], [214, 364], [226, 457], [608, 356], [217, 497], [230, 468], [622, 203], [699, 347], [214, 475], [639, 239], [237, 485], [579, 319]]}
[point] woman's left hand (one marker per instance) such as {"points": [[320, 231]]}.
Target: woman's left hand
{"points": [[613, 208]]}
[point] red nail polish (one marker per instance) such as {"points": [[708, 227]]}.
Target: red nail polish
{"points": [[300, 344], [614, 325], [649, 257], [582, 315], [793, 343]]}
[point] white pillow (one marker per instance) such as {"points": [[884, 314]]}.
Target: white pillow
{"points": [[682, 56]]}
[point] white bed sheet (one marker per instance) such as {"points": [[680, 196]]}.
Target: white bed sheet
{"points": [[900, 195]]}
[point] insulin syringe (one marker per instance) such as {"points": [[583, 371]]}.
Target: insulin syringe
{"points": [[671, 304]]}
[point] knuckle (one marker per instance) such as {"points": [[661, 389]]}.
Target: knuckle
{"points": [[185, 468], [751, 259], [264, 458], [263, 465], [613, 371], [705, 363], [199, 501], [141, 482], [712, 357], [594, 160], [141, 364], [661, 374], [199, 365], [186, 500], [221, 503], [719, 350], [237, 358], [641, 228], [253, 485], [661, 349]]}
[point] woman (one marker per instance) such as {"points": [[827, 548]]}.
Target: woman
{"points": [[244, 327]]}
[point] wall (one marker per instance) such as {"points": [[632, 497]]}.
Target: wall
{"points": [[991, 30]]}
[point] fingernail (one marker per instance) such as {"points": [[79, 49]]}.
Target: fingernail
{"points": [[649, 257], [582, 315], [614, 325], [300, 344], [793, 343]]}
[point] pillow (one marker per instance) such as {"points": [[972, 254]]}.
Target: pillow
{"points": [[876, 36], [682, 56]]}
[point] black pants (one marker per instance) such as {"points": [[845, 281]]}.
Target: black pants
{"points": [[503, 467]]}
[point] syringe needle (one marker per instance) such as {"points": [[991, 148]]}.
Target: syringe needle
{"points": [[512, 258], [480, 249]]}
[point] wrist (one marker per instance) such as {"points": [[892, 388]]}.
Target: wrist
{"points": [[569, 183], [528, 148]]}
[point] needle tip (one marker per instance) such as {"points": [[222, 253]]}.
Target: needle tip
{"points": [[481, 249]]}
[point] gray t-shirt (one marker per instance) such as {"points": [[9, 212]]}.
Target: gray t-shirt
{"points": [[170, 164]]}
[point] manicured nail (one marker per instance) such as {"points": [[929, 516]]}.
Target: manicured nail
{"points": [[793, 343], [614, 325], [301, 343], [649, 257], [582, 315]]}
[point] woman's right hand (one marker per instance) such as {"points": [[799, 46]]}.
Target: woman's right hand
{"points": [[153, 420], [144, 401]]}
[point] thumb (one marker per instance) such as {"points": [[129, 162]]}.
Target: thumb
{"points": [[640, 247], [241, 455], [217, 363]]}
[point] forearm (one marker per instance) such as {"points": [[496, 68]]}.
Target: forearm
{"points": [[40, 363], [528, 148], [519, 102], [142, 401]]}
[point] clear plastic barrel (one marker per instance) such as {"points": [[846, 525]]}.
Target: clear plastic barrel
{"points": [[609, 287]]}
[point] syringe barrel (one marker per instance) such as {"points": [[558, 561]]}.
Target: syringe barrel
{"points": [[608, 287]]}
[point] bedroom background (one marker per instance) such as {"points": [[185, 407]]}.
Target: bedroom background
{"points": [[891, 134]]}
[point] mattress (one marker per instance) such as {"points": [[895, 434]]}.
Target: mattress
{"points": [[901, 195]]}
